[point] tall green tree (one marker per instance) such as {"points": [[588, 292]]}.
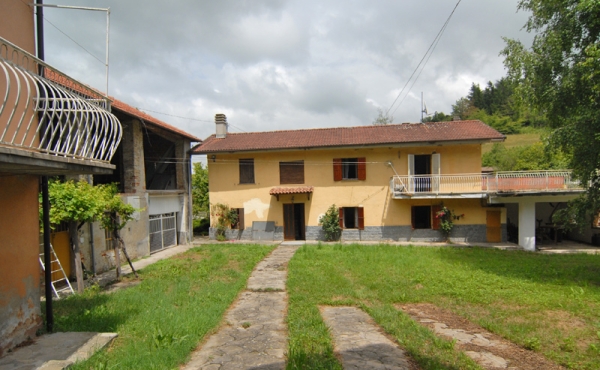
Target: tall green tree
{"points": [[559, 75], [200, 201]]}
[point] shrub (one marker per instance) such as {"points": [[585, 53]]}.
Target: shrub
{"points": [[225, 217], [330, 222]]}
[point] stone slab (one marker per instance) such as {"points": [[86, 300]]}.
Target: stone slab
{"points": [[359, 342], [271, 273], [56, 351]]}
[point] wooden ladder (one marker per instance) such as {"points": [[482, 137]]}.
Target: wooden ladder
{"points": [[54, 261]]}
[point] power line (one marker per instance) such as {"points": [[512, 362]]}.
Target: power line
{"points": [[425, 58], [187, 118], [76, 43]]}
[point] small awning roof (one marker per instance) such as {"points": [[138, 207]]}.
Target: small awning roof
{"points": [[296, 190]]}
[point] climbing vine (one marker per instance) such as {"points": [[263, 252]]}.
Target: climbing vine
{"points": [[223, 218]]}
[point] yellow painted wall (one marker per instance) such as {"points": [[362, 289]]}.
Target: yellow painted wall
{"points": [[19, 264], [372, 194]]}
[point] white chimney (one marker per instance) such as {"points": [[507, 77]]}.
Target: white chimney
{"points": [[221, 123]]}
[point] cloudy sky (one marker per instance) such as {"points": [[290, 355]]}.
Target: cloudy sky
{"points": [[282, 64]]}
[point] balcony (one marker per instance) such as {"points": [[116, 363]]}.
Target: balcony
{"points": [[478, 185], [51, 121]]}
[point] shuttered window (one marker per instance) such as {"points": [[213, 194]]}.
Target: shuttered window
{"points": [[352, 218], [291, 172], [349, 169], [247, 171]]}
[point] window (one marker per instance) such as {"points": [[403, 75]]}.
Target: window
{"points": [[423, 217], [291, 172], [239, 224], [349, 169], [352, 218], [247, 171]]}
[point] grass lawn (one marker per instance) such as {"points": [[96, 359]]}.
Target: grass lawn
{"points": [[515, 140], [547, 303], [161, 320]]}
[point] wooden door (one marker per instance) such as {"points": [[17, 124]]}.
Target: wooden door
{"points": [[62, 247], [494, 227], [288, 222]]}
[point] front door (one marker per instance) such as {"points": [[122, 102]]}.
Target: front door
{"points": [[293, 221], [494, 227]]}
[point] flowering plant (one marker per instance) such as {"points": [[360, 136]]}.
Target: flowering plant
{"points": [[447, 218]]}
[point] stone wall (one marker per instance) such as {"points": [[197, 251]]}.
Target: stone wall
{"points": [[460, 233]]}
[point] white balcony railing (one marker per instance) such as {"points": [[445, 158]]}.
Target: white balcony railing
{"points": [[44, 110], [499, 182]]}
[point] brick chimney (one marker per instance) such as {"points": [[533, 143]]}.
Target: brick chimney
{"points": [[221, 123]]}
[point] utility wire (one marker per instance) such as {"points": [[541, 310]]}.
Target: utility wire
{"points": [[76, 43], [425, 58], [187, 118]]}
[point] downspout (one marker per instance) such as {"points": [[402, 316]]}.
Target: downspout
{"points": [[45, 194]]}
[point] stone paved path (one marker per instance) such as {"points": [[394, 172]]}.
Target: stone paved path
{"points": [[255, 334], [359, 342]]}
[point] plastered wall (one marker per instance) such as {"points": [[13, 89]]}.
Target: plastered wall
{"points": [[372, 194], [19, 266]]}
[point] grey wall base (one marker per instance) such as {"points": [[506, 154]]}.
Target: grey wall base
{"points": [[460, 233]]}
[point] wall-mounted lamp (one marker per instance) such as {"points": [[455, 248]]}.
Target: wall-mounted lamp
{"points": [[213, 158]]}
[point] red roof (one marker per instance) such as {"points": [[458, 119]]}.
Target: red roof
{"points": [[298, 190], [148, 119], [474, 130], [117, 104]]}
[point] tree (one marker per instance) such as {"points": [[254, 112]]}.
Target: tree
{"points": [[462, 108], [330, 222], [382, 118], [438, 117], [559, 75], [79, 202], [200, 201]]}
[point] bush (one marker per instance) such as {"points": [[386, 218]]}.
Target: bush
{"points": [[201, 226], [330, 223]]}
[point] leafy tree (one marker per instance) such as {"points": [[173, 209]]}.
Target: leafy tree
{"points": [[79, 202], [330, 222], [200, 201], [382, 118], [462, 108], [559, 75], [438, 117]]}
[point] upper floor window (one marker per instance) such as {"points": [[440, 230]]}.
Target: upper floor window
{"points": [[247, 171], [349, 169], [291, 172]]}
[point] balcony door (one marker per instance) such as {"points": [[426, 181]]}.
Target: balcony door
{"points": [[424, 172]]}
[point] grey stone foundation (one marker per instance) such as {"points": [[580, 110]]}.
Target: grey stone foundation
{"points": [[460, 233]]}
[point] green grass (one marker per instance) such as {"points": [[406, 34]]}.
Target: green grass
{"points": [[516, 140], [161, 320], [548, 303]]}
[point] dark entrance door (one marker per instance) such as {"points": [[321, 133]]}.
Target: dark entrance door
{"points": [[293, 222]]}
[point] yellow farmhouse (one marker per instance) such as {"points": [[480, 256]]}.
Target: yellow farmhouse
{"points": [[388, 181]]}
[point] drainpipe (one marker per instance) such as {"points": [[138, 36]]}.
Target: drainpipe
{"points": [[45, 195]]}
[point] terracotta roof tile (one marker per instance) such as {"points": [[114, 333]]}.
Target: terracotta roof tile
{"points": [[148, 119], [296, 190], [351, 136], [117, 104]]}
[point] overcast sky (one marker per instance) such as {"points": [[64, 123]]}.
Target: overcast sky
{"points": [[282, 64]]}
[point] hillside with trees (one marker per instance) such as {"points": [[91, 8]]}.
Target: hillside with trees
{"points": [[499, 106]]}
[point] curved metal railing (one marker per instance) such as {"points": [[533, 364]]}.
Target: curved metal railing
{"points": [[44, 110]]}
